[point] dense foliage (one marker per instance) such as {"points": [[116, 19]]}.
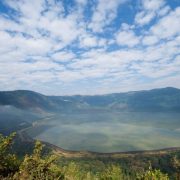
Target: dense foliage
{"points": [[8, 162], [36, 166]]}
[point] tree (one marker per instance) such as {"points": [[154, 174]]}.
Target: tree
{"points": [[176, 165], [9, 163], [73, 172], [112, 172], [36, 167], [152, 175]]}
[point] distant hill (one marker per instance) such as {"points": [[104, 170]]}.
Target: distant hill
{"points": [[164, 99], [34, 101]]}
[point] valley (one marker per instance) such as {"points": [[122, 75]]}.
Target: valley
{"points": [[109, 132], [132, 121]]}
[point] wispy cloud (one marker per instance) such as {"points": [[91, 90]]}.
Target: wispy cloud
{"points": [[149, 10]]}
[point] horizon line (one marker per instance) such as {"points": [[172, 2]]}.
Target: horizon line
{"points": [[103, 94]]}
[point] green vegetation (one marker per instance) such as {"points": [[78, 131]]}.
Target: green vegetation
{"points": [[35, 167], [8, 162], [49, 167], [152, 175]]}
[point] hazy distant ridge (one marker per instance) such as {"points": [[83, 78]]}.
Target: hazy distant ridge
{"points": [[164, 99]]}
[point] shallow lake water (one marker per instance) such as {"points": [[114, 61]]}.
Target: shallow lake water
{"points": [[110, 131]]}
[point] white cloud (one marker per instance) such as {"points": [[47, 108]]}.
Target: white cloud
{"points": [[153, 4], [143, 18], [63, 56], [150, 9], [104, 13], [168, 26], [127, 38], [63, 29], [28, 9], [6, 42], [150, 40], [51, 22], [164, 11], [88, 41]]}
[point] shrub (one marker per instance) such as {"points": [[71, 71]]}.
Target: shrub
{"points": [[36, 167]]}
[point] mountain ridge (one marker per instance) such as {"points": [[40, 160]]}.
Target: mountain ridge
{"points": [[161, 99], [104, 94]]}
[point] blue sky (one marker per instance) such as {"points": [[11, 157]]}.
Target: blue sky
{"points": [[89, 46]]}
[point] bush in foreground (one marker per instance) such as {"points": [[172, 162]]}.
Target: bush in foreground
{"points": [[152, 175]]}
